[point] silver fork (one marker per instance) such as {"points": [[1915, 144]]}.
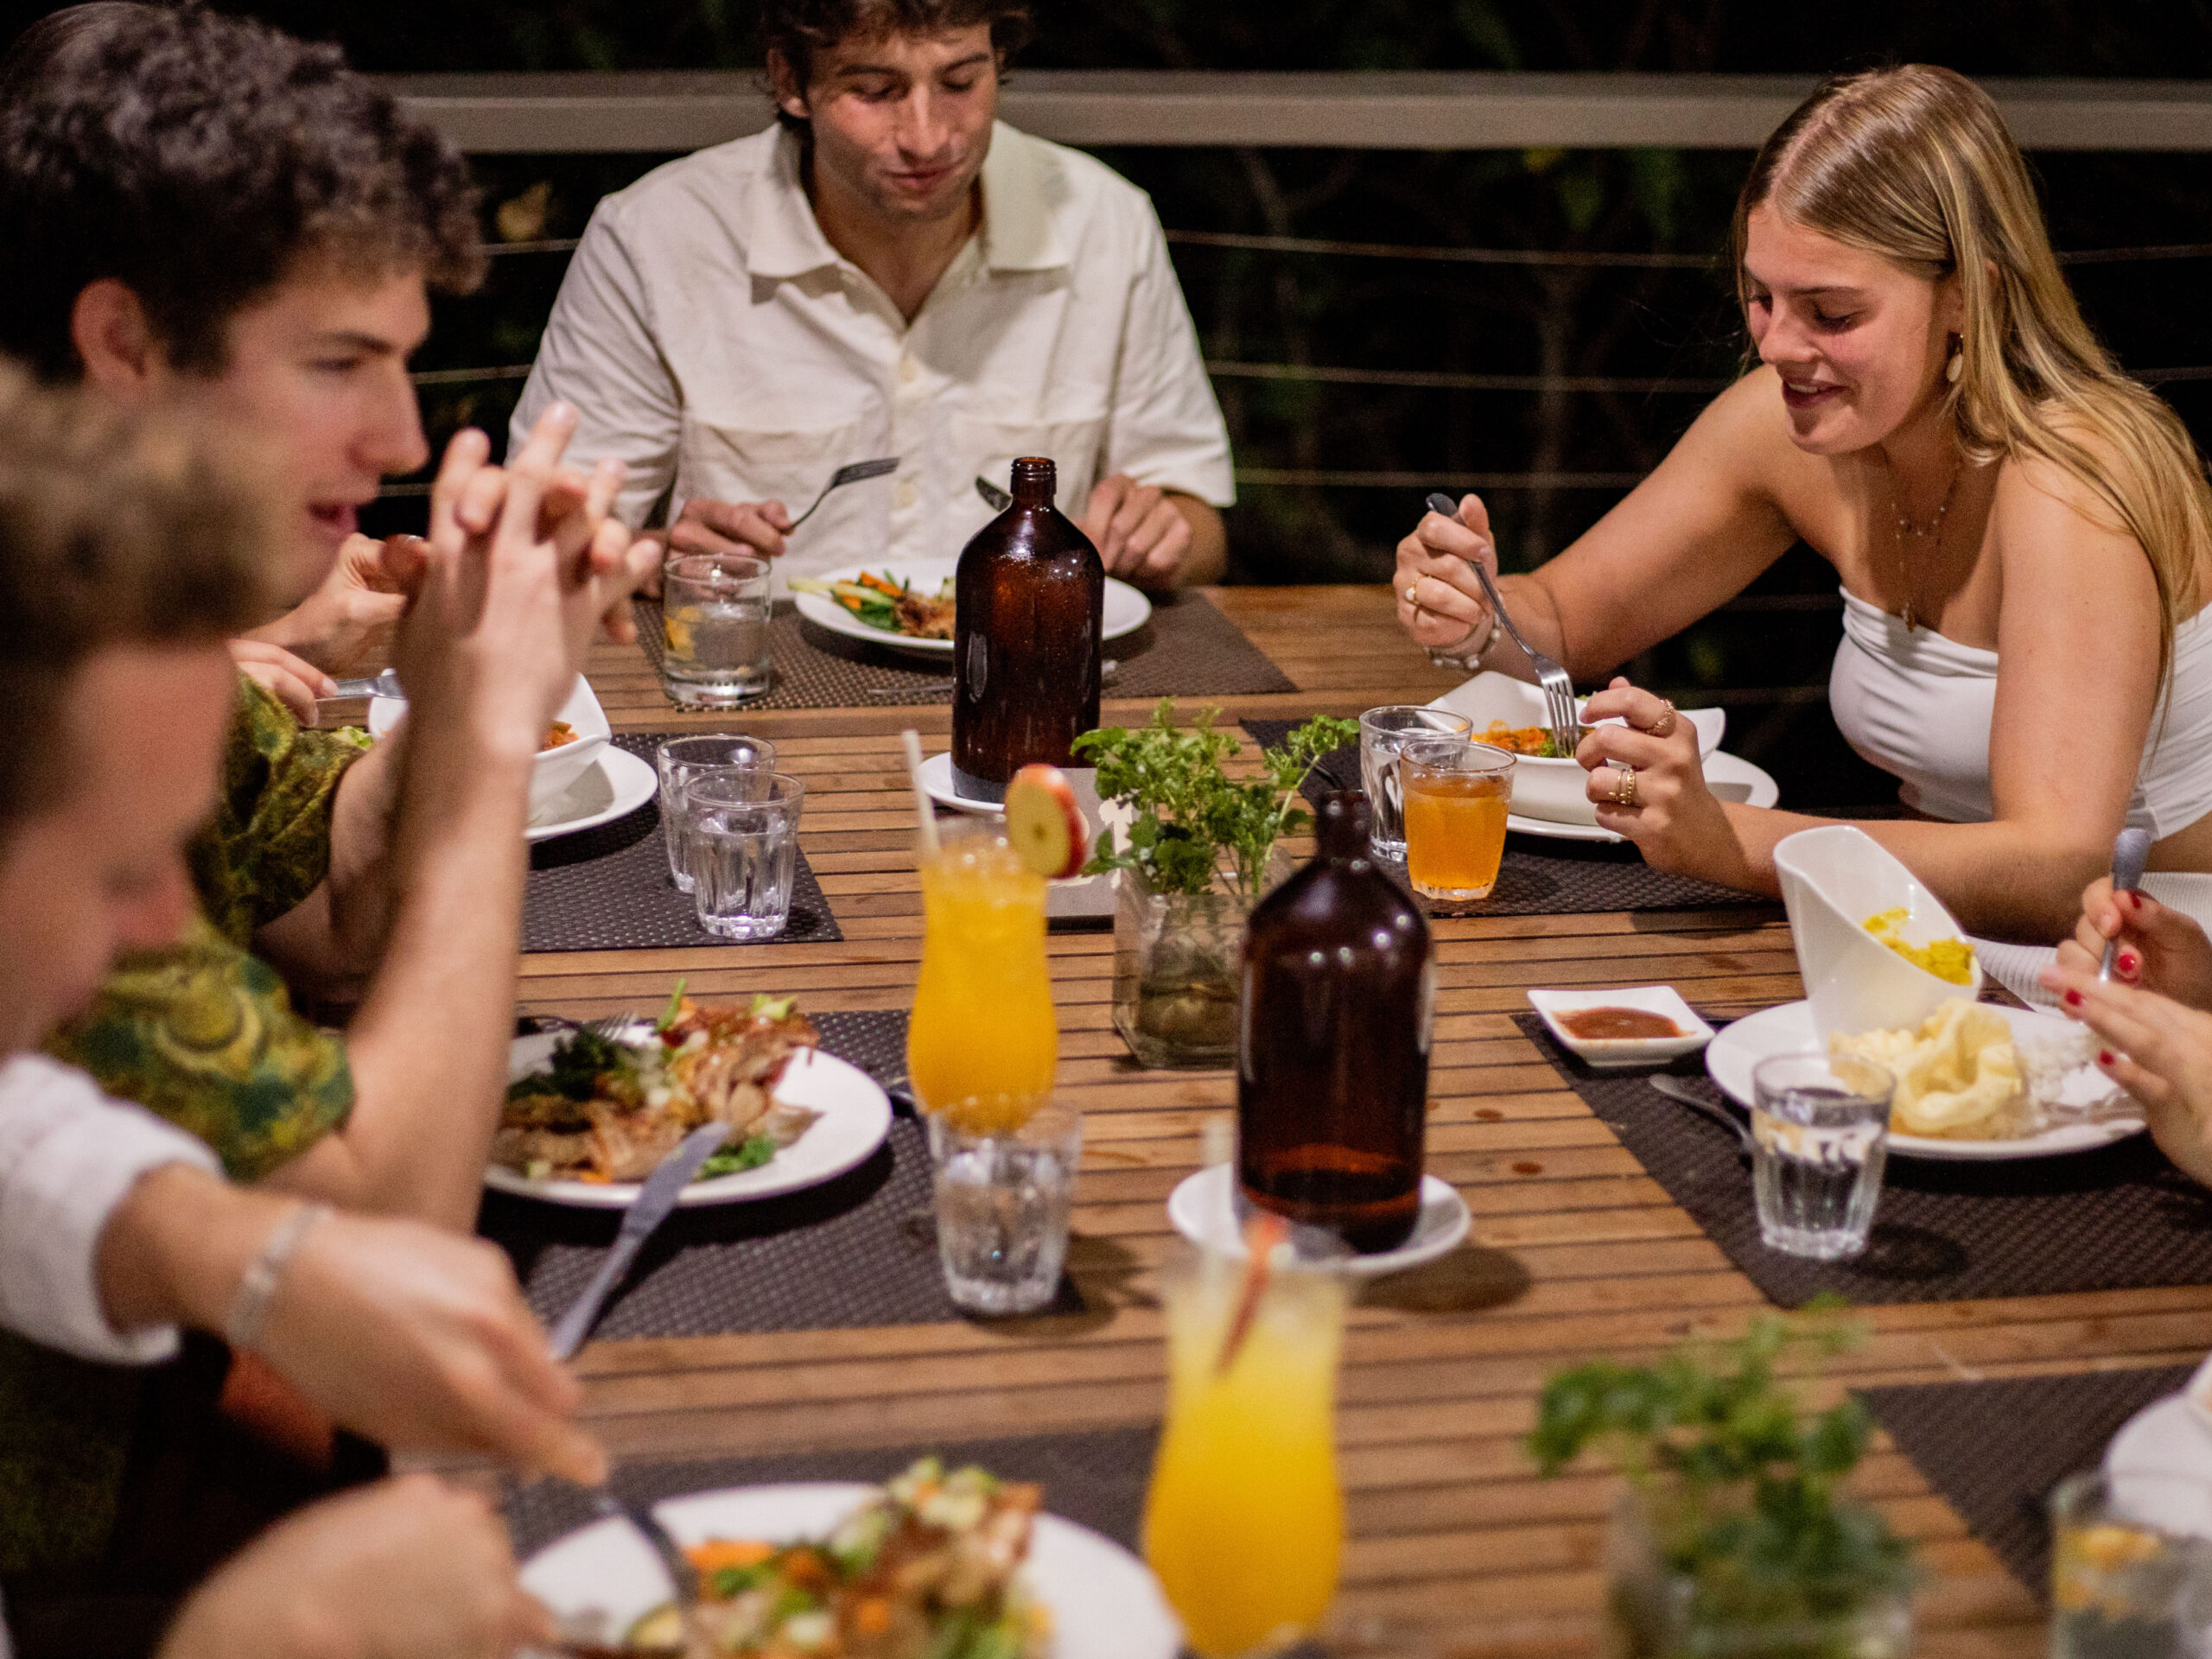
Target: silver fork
{"points": [[1559, 690], [853, 474], [1106, 670], [1683, 1095]]}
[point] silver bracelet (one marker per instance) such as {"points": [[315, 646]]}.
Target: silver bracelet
{"points": [[1464, 660], [249, 1314]]}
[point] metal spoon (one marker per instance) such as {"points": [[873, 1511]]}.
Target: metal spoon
{"points": [[853, 474], [1676, 1090], [2130, 852]]}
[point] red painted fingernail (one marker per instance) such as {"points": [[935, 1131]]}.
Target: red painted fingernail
{"points": [[2104, 1056], [2134, 898], [2129, 962], [2073, 999]]}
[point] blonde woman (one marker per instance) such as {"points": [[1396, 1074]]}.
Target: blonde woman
{"points": [[2022, 532]]}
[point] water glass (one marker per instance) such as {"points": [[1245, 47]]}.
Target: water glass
{"points": [[2131, 1568], [1381, 732], [682, 758], [715, 628], [1002, 1203], [1821, 1127], [1456, 794], [741, 845]]}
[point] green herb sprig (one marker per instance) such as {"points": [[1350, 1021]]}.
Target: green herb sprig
{"points": [[1739, 1485], [1190, 813]]}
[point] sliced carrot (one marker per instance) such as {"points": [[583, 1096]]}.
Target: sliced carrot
{"points": [[872, 1617], [882, 585], [719, 1552]]}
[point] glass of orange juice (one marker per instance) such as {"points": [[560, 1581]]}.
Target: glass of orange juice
{"points": [[982, 1027], [1244, 1521], [1457, 793]]}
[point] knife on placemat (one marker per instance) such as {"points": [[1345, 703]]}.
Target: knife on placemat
{"points": [[663, 1188]]}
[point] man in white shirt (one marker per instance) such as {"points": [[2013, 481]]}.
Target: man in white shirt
{"points": [[889, 273]]}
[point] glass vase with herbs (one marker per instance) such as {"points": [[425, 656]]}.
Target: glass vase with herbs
{"points": [[1735, 1537], [1198, 854]]}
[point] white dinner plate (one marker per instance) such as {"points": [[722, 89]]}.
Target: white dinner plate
{"points": [[614, 785], [1789, 1030], [1104, 1602], [1127, 610], [2169, 1437], [855, 1118], [1201, 1209], [1728, 776]]}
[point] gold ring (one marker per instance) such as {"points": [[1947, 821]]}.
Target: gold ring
{"points": [[1664, 725], [1624, 789]]}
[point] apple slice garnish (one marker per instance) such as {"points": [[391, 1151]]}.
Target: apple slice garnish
{"points": [[1044, 824]]}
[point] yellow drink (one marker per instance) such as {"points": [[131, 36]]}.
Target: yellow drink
{"points": [[1457, 795], [982, 1026], [1245, 1523]]}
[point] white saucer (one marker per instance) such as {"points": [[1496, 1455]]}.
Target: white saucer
{"points": [[937, 783], [613, 786], [1199, 1206], [1788, 1029], [1730, 777], [2170, 1441]]}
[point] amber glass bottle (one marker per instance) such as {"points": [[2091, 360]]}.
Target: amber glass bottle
{"points": [[1332, 1047], [1029, 602]]}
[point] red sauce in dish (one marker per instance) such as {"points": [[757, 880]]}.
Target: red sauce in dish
{"points": [[1613, 1025]]}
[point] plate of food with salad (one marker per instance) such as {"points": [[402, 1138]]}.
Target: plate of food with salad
{"points": [[588, 1116], [934, 1564], [906, 604]]}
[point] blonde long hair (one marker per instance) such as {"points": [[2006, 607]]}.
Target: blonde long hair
{"points": [[1914, 163]]}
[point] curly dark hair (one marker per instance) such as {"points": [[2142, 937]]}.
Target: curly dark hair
{"points": [[797, 29], [197, 159], [116, 528]]}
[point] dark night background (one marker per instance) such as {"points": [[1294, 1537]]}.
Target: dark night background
{"points": [[1768, 657]]}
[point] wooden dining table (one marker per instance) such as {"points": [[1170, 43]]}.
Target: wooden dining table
{"points": [[1575, 1251]]}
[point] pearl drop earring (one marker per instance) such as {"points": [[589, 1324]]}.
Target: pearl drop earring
{"points": [[1957, 366]]}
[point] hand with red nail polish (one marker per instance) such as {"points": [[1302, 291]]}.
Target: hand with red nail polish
{"points": [[2073, 999], [2161, 948], [2157, 1050]]}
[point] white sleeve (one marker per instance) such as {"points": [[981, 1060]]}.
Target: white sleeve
{"points": [[600, 353], [1166, 429], [68, 1156]]}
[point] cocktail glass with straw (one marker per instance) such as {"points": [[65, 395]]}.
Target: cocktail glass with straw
{"points": [[1245, 1523]]}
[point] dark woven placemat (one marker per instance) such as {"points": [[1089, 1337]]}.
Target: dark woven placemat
{"points": [[608, 888], [2118, 1219], [1994, 1450], [1095, 1477], [1568, 878], [1187, 649], [856, 1251]]}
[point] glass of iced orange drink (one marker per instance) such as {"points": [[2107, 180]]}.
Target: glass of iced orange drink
{"points": [[1456, 794]]}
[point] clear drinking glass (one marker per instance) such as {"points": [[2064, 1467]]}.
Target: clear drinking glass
{"points": [[682, 758], [1381, 732], [1821, 1128], [2131, 1568], [714, 627], [1003, 1203], [741, 844], [1456, 794]]}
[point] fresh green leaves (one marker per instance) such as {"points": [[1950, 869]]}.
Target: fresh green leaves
{"points": [[751, 1153], [1740, 1487], [1190, 813], [574, 1067]]}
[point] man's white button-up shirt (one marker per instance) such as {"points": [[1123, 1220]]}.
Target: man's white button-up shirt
{"points": [[711, 338]]}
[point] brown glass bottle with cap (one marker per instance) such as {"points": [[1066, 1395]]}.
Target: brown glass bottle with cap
{"points": [[1333, 1044], [1029, 605]]}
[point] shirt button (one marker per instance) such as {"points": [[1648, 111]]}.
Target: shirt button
{"points": [[908, 370], [906, 492]]}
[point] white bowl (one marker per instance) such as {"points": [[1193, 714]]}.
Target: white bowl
{"points": [[556, 769], [1557, 791], [1835, 877], [1608, 1053]]}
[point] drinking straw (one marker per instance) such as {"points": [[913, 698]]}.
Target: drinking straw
{"points": [[924, 814], [1262, 1234]]}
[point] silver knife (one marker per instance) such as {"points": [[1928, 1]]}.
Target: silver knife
{"points": [[640, 1222], [386, 684], [994, 498], [2130, 853]]}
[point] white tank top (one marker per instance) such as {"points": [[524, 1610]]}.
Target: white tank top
{"points": [[1919, 706]]}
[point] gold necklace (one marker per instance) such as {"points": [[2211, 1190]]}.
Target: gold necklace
{"points": [[1903, 527]]}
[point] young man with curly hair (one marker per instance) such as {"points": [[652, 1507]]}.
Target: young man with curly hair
{"points": [[889, 271]]}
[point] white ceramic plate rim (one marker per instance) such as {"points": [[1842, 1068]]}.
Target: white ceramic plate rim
{"points": [[1199, 1208], [1780, 1030], [855, 1118], [1105, 1603], [1126, 609], [1622, 1051], [936, 784], [1720, 767], [632, 781]]}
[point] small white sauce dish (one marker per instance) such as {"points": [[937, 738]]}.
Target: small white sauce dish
{"points": [[1613, 1053]]}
